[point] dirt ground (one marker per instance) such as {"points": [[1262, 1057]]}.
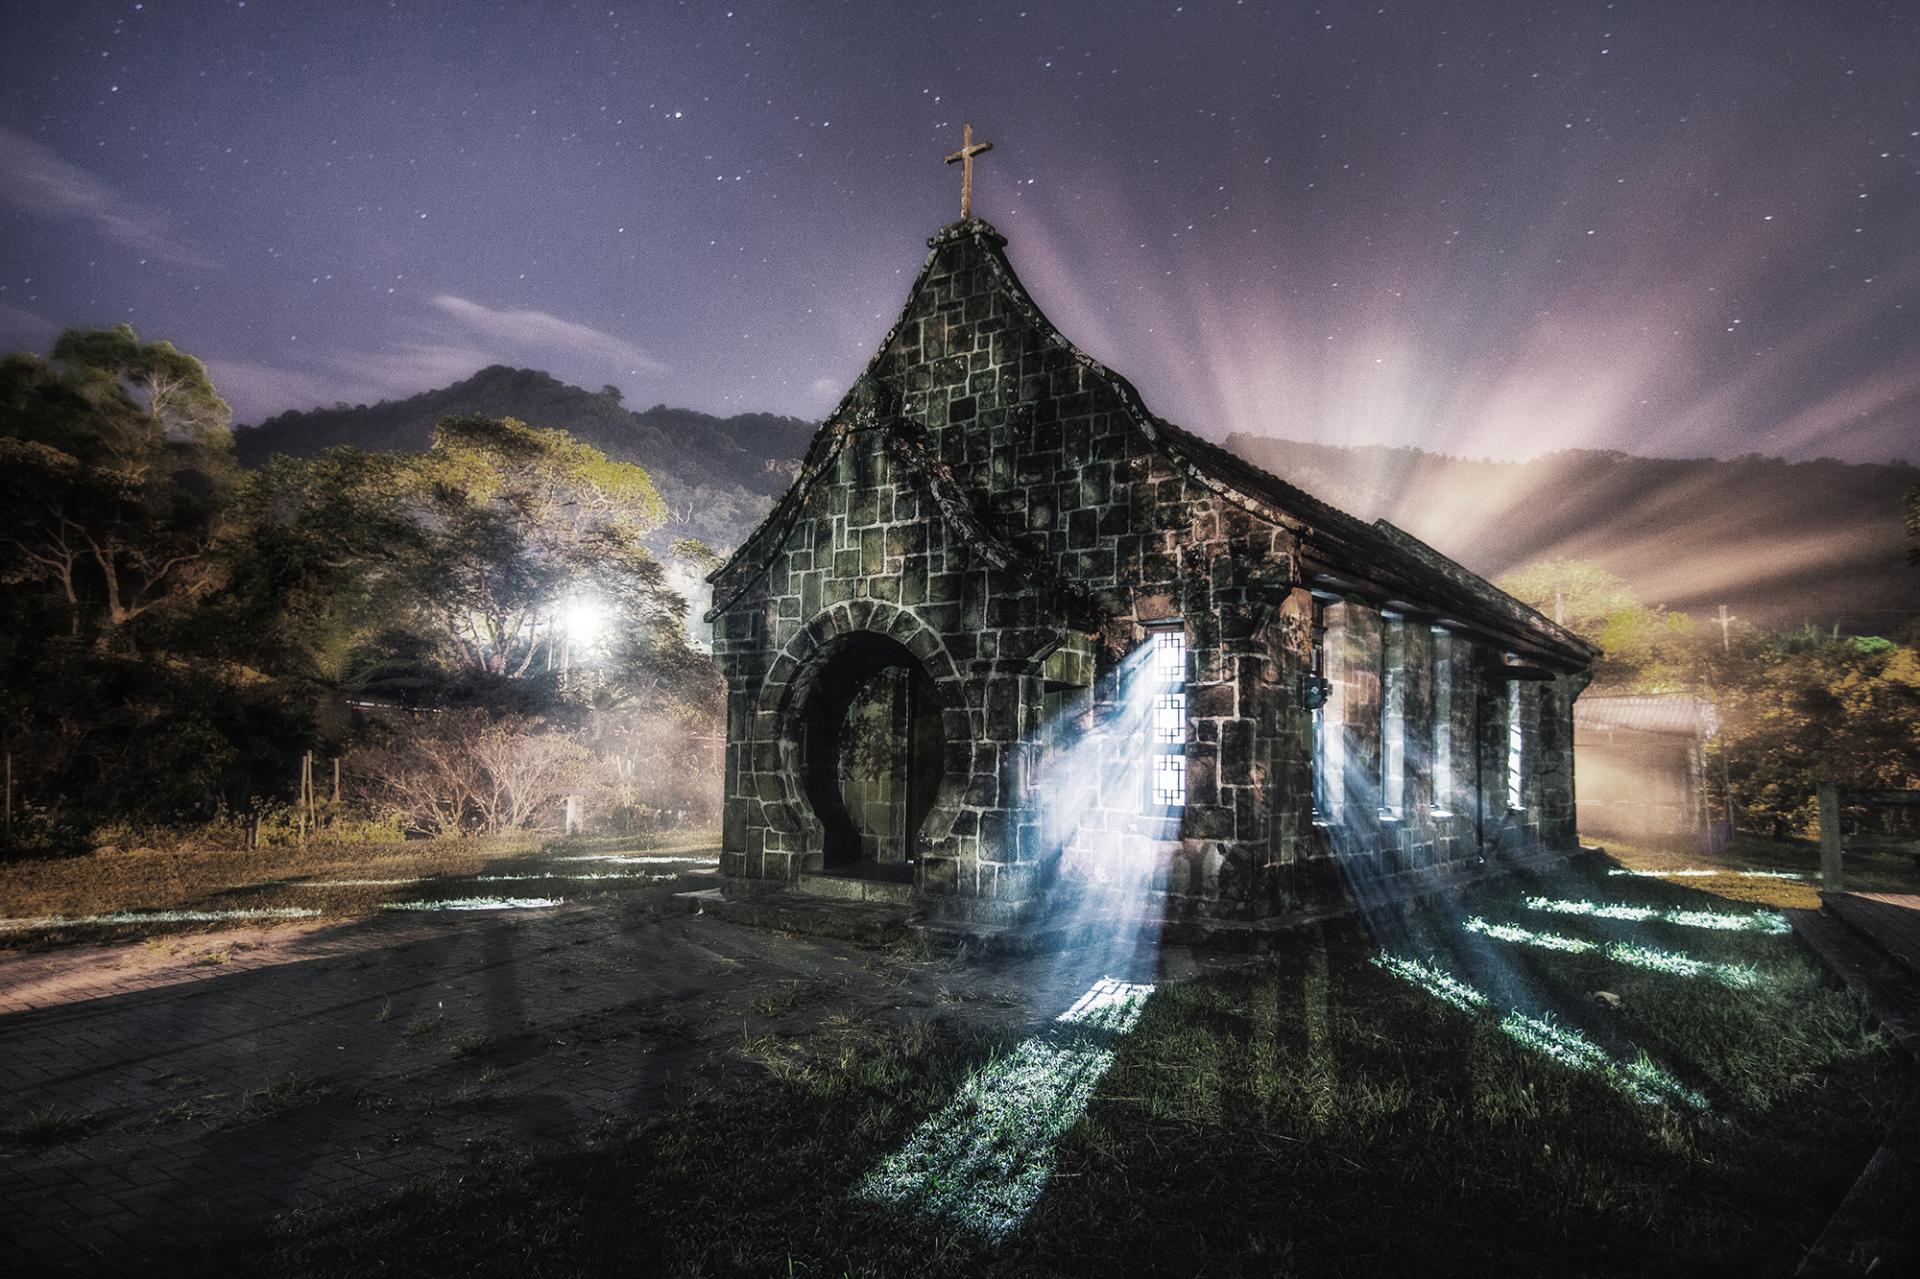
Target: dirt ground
{"points": [[193, 1084]]}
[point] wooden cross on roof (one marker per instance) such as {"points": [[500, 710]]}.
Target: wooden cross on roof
{"points": [[968, 149]]}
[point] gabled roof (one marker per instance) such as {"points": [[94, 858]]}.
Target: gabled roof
{"points": [[1340, 551], [1667, 714]]}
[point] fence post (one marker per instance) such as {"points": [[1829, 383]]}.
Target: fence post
{"points": [[1832, 843]]}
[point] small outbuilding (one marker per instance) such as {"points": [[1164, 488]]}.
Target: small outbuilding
{"points": [[1642, 765]]}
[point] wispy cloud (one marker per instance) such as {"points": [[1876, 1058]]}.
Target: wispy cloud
{"points": [[258, 391], [542, 331], [33, 178]]}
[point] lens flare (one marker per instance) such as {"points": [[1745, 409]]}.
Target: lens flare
{"points": [[985, 1158]]}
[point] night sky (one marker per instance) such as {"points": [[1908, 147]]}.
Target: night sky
{"points": [[1670, 227]]}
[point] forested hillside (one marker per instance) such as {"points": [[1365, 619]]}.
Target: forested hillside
{"points": [[1779, 543], [715, 473]]}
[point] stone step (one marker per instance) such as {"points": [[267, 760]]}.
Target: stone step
{"points": [[1888, 989], [864, 923], [856, 887]]}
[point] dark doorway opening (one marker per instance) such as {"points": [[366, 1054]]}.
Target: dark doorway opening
{"points": [[873, 750]]}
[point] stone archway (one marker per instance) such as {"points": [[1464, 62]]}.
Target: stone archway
{"points": [[871, 750], [866, 716]]}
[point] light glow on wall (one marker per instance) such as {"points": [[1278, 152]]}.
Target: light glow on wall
{"points": [[985, 1158]]}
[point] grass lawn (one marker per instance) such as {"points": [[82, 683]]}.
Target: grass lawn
{"points": [[1753, 869], [120, 893], [1606, 1075]]}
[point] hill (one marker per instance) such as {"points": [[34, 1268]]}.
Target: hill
{"points": [[1779, 543], [717, 474]]}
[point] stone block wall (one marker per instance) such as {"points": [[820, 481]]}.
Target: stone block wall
{"points": [[999, 508], [990, 492]]}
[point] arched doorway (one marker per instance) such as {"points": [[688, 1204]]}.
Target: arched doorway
{"points": [[872, 751]]}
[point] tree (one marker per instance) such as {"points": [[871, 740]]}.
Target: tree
{"points": [[464, 772], [505, 554], [116, 468], [1645, 648], [1805, 707], [1913, 524]]}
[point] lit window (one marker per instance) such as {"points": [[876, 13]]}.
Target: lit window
{"points": [[1516, 746], [1325, 793], [1167, 724], [1393, 721], [1170, 656], [1170, 717], [1170, 781], [1442, 719]]}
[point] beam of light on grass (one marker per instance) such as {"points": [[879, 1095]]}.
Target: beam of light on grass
{"points": [[985, 1157], [1637, 1077], [1699, 873], [1758, 921], [1673, 963], [161, 917], [1436, 981], [479, 903], [1527, 937]]}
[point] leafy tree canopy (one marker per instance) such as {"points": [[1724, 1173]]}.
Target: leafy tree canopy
{"points": [[116, 469], [1645, 648]]}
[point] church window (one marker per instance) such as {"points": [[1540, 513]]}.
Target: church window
{"points": [[1393, 718], [1442, 719], [1319, 695], [1516, 746], [1167, 720]]}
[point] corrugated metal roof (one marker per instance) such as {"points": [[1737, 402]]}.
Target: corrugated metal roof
{"points": [[1674, 714]]}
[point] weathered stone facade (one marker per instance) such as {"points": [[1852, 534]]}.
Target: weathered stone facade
{"points": [[992, 522]]}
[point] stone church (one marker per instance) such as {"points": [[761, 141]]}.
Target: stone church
{"points": [[1009, 633]]}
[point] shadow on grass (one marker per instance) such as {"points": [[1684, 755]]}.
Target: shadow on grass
{"points": [[1311, 1114]]}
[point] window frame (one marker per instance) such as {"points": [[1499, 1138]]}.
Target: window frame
{"points": [[1168, 728]]}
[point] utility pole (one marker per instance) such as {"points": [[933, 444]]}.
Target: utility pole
{"points": [[1725, 619]]}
